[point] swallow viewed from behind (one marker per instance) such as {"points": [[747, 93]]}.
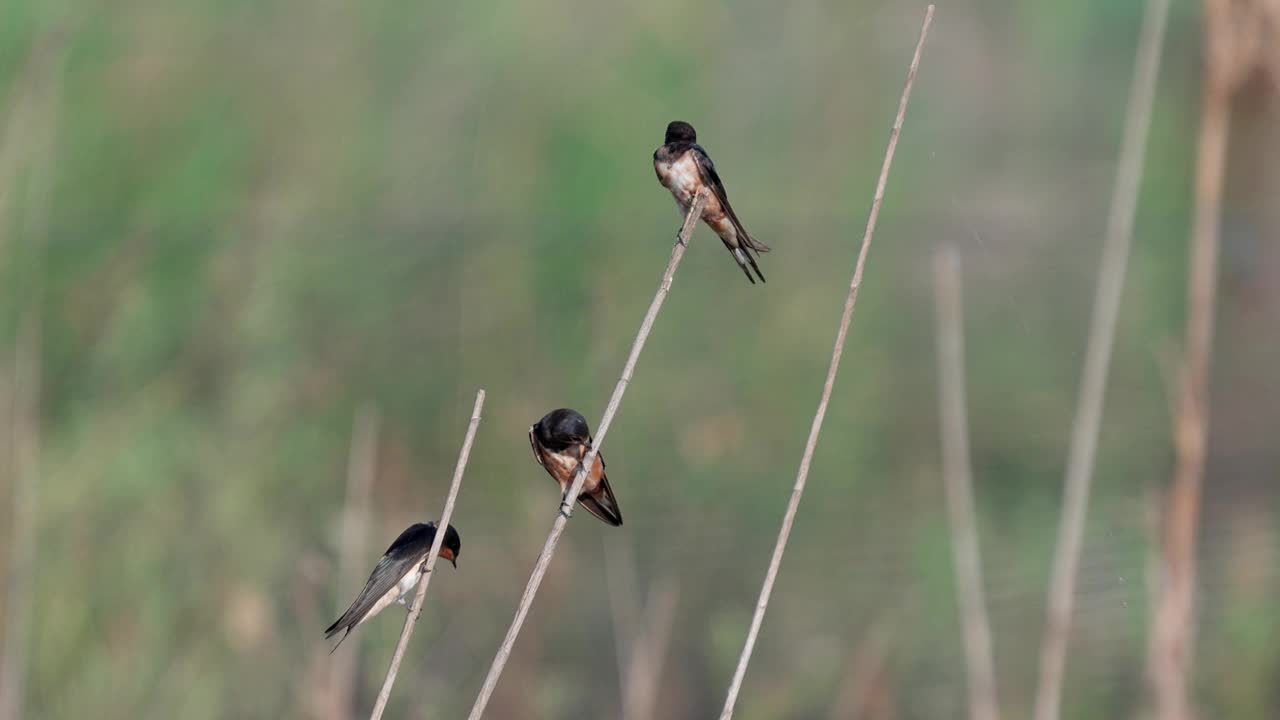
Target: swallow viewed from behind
{"points": [[560, 441], [396, 574], [684, 168]]}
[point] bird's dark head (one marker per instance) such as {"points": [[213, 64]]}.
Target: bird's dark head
{"points": [[451, 548], [680, 131], [561, 428]]}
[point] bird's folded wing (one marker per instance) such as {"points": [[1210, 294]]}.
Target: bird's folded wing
{"points": [[389, 571]]}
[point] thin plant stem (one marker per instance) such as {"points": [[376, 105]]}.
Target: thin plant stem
{"points": [[957, 476], [1172, 644], [841, 335], [570, 497], [649, 652], [1093, 385], [620, 581], [362, 463], [442, 529]]}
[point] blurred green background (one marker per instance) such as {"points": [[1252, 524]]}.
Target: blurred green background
{"points": [[232, 225]]}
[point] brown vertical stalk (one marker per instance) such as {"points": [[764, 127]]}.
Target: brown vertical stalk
{"points": [[362, 462], [1172, 635], [1093, 385], [415, 609], [957, 475], [641, 642], [620, 582], [570, 497], [842, 332], [649, 652], [1172, 632]]}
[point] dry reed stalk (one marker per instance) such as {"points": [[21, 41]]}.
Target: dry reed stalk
{"points": [[362, 462], [957, 475], [624, 611], [570, 497], [1235, 46], [649, 651], [802, 474], [427, 567], [1093, 385]]}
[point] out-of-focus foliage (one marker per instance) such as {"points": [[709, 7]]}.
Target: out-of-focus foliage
{"points": [[239, 221]]}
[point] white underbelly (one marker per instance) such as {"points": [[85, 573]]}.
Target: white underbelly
{"points": [[406, 584], [682, 179]]}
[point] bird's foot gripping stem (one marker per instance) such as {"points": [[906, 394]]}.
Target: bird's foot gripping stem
{"points": [[565, 509]]}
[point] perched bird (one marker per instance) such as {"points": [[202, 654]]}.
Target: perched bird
{"points": [[684, 168], [396, 574], [560, 441]]}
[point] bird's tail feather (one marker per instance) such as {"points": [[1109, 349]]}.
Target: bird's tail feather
{"points": [[345, 635], [603, 504], [744, 260], [753, 243]]}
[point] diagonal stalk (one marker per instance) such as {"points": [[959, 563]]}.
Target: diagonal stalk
{"points": [[584, 469], [442, 529], [842, 334]]}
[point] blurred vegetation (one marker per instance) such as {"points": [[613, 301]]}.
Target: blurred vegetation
{"points": [[237, 222]]}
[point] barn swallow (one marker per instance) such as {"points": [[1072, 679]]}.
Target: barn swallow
{"points": [[396, 574], [560, 441], [684, 168]]}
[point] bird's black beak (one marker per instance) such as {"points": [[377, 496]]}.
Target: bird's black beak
{"points": [[454, 560]]}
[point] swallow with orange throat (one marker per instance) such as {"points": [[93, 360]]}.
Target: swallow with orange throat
{"points": [[395, 576], [560, 440], [684, 168]]}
